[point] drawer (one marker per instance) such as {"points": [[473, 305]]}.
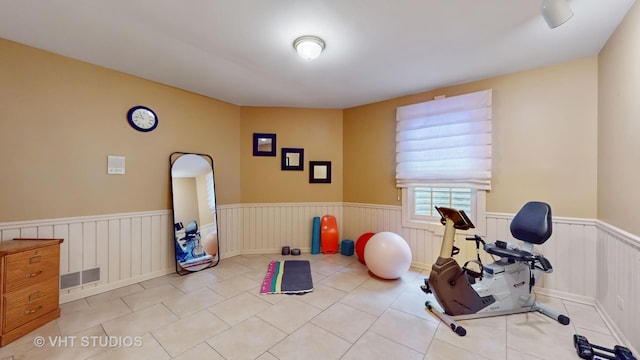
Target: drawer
{"points": [[27, 304], [30, 267]]}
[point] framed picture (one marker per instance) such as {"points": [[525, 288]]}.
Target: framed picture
{"points": [[264, 144], [320, 172], [292, 159]]}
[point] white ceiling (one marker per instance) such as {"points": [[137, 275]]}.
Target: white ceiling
{"points": [[240, 51]]}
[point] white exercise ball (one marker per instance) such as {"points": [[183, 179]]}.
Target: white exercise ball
{"points": [[387, 255]]}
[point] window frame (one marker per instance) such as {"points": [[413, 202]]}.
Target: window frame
{"points": [[432, 223]]}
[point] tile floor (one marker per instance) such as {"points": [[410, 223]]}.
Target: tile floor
{"points": [[218, 313]]}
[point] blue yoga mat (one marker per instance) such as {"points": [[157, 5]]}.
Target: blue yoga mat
{"points": [[315, 236]]}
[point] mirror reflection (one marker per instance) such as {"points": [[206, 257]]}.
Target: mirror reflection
{"points": [[194, 212], [264, 145]]}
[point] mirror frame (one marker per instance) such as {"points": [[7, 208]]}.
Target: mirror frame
{"points": [[175, 156], [314, 172], [285, 165], [257, 137]]}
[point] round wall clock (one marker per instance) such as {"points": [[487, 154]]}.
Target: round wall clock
{"points": [[142, 118]]}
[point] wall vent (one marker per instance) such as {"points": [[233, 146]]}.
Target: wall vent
{"points": [[79, 278]]}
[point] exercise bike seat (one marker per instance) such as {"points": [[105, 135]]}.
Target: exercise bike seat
{"points": [[532, 224]]}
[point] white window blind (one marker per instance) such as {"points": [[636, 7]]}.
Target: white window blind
{"points": [[445, 142], [211, 196]]}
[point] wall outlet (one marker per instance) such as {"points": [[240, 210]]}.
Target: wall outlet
{"points": [[620, 302]]}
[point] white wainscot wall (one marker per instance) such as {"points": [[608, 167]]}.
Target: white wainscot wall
{"points": [[127, 248], [593, 262]]}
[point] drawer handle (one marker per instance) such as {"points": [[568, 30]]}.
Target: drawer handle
{"points": [[28, 312], [33, 274], [35, 260], [35, 295]]}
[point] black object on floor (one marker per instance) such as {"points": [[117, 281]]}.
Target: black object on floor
{"points": [[586, 350]]}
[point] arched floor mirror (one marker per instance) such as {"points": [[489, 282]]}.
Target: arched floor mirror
{"points": [[194, 212]]}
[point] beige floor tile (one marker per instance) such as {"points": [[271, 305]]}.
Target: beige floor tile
{"points": [[345, 281], [411, 331], [239, 308], [114, 294], [289, 314], [151, 296], [333, 320], [373, 347], [371, 301], [161, 280], [371, 318], [92, 316], [517, 355], [229, 269], [144, 348], [528, 332], [246, 340], [255, 262], [441, 350], [72, 306], [310, 343], [322, 296], [202, 351], [412, 302], [140, 322], [80, 345], [325, 267], [20, 346], [234, 285], [194, 281], [586, 317], [186, 333], [478, 332], [187, 304]]}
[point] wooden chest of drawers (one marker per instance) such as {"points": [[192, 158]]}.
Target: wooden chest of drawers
{"points": [[29, 285]]}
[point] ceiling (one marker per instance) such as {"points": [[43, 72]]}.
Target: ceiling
{"points": [[240, 51]]}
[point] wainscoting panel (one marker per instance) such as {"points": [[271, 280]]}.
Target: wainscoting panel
{"points": [[618, 281], [593, 262], [266, 228], [127, 248]]}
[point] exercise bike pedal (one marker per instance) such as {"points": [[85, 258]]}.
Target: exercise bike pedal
{"points": [[426, 288]]}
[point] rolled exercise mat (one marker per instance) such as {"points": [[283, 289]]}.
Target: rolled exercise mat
{"points": [[315, 236]]}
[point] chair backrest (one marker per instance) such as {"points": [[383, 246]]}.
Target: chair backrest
{"points": [[532, 223], [192, 228]]}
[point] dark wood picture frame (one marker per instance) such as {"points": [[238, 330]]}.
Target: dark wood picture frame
{"points": [[320, 172], [264, 144], [292, 159]]}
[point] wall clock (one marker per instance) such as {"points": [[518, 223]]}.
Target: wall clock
{"points": [[142, 118]]}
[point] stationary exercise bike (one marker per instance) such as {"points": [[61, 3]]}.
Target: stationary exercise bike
{"points": [[500, 288]]}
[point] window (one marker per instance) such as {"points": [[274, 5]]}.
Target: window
{"points": [[426, 199], [443, 157]]}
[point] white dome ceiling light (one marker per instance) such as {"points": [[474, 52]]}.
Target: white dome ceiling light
{"points": [[308, 47], [556, 12]]}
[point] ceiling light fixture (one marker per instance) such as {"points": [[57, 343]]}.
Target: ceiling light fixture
{"points": [[556, 12], [308, 47]]}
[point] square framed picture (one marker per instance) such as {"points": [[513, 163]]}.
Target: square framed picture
{"points": [[264, 144], [292, 159], [320, 172]]}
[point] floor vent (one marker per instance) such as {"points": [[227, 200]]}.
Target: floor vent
{"points": [[79, 278]]}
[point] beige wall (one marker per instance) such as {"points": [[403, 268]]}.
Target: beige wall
{"points": [[619, 126], [60, 118], [544, 140], [317, 131]]}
